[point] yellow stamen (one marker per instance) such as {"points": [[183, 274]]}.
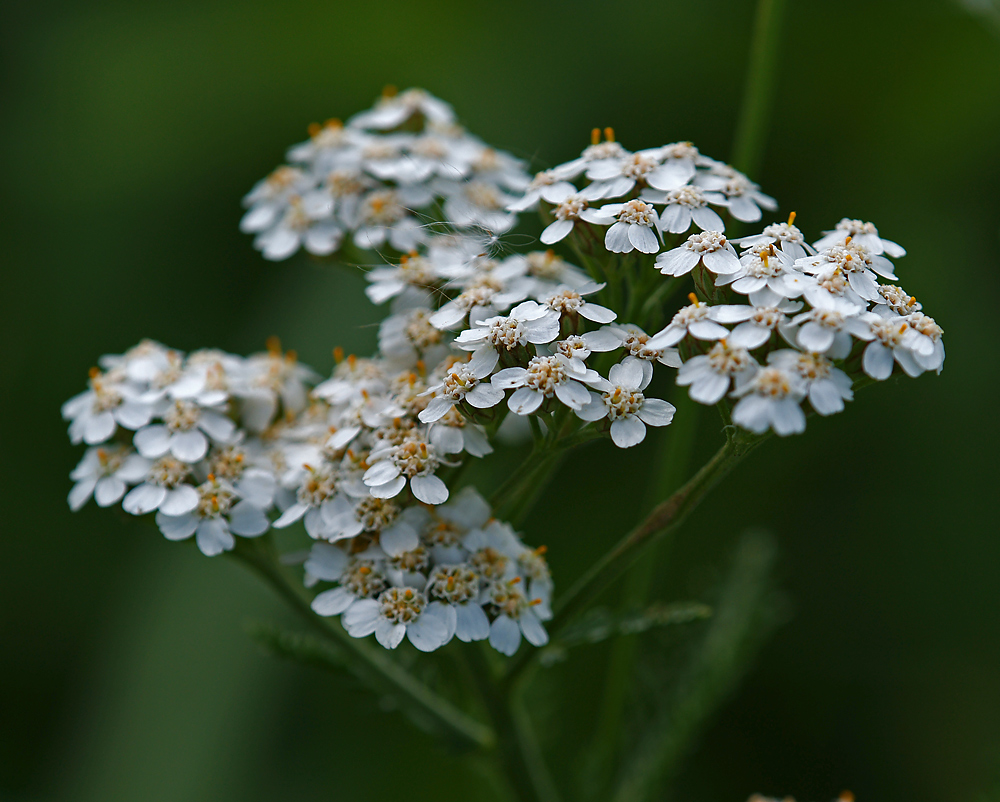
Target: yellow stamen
{"points": [[338, 354], [693, 298], [595, 136], [273, 345], [609, 134], [389, 91], [791, 218]]}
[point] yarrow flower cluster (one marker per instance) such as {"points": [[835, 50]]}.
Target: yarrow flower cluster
{"points": [[217, 446]]}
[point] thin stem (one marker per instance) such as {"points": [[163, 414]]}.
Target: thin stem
{"points": [[673, 466], [663, 519], [368, 663], [517, 746], [751, 130]]}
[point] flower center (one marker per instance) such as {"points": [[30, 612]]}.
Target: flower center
{"points": [[317, 488], [545, 373], [413, 458], [167, 472], [898, 300], [483, 195], [726, 360], [363, 579], [507, 332], [706, 242], [402, 605], [637, 165], [420, 332], [414, 560], [774, 383], [229, 462], [622, 403], [381, 208], [689, 196], [637, 213], [453, 583], [182, 416], [214, 499], [376, 513], [489, 563], [567, 302], [570, 208], [458, 382]]}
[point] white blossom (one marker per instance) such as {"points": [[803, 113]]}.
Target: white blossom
{"points": [[623, 403]]}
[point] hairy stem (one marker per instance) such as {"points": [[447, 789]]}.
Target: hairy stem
{"points": [[373, 666]]}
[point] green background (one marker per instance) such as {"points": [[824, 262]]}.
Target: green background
{"points": [[129, 133]]}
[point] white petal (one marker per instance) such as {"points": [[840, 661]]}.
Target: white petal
{"points": [[656, 412], [248, 519], [627, 432], [188, 446], [643, 238], [388, 634], [484, 396], [381, 472], [80, 493], [525, 400], [218, 427], [556, 231], [505, 635], [429, 489], [471, 622], [144, 498], [390, 489], [332, 602], [177, 527], [616, 240], [573, 394], [877, 361], [180, 500], [533, 630], [398, 538], [153, 441], [361, 617], [212, 537], [109, 489]]}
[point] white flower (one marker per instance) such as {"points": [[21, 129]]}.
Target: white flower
{"points": [[183, 432], [762, 266], [596, 152], [329, 146], [854, 261], [464, 382], [636, 342], [383, 215], [478, 203], [360, 576], [515, 615], [569, 206], [770, 400], [444, 529], [399, 613], [305, 222], [458, 587], [709, 374], [685, 204], [828, 331], [766, 313], [613, 178], [577, 347], [413, 460], [215, 519], [789, 237], [891, 340], [483, 296], [95, 415], [545, 377], [826, 386], [743, 196], [698, 319], [635, 226], [163, 489], [545, 181], [270, 378], [105, 473], [269, 199], [679, 161], [864, 234], [313, 501], [924, 340], [569, 302], [408, 336], [414, 272], [391, 110], [897, 299], [710, 248], [453, 433], [624, 404], [528, 322]]}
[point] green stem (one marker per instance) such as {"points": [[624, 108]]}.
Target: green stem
{"points": [[517, 746], [673, 466], [666, 517], [751, 130], [368, 664]]}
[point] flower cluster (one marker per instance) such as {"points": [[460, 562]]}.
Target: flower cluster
{"points": [[474, 346], [374, 178], [434, 573]]}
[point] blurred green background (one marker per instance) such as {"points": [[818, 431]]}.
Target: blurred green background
{"points": [[131, 130]]}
